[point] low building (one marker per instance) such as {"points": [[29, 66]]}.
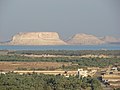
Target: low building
{"points": [[112, 80]]}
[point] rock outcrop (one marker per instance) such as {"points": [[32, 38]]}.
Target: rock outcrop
{"points": [[111, 40], [52, 38], [37, 38], [84, 39]]}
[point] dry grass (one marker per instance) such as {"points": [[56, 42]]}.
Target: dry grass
{"points": [[9, 66]]}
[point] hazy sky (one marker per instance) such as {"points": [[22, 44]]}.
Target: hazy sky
{"points": [[67, 17]]}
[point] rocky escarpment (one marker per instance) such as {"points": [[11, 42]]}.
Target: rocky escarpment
{"points": [[52, 38], [84, 39], [37, 38]]}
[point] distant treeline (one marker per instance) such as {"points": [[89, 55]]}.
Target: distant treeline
{"points": [[69, 52], [98, 62], [12, 81]]}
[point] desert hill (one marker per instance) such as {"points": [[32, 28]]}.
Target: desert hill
{"points": [[85, 39], [111, 40], [52, 38], [37, 38]]}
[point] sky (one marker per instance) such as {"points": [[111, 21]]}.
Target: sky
{"points": [[67, 17]]}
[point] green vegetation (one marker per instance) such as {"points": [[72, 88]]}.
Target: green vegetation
{"points": [[117, 89], [68, 52], [12, 81], [91, 62], [36, 69]]}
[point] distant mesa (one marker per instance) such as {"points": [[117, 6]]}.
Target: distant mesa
{"points": [[52, 38], [111, 40], [85, 39], [37, 38]]}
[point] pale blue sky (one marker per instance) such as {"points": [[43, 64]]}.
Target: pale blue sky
{"points": [[67, 17]]}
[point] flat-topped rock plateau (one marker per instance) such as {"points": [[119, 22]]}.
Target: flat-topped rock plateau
{"points": [[52, 38], [36, 38]]}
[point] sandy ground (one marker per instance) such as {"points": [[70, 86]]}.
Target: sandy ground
{"points": [[9, 66]]}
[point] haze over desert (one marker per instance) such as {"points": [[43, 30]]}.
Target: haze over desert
{"points": [[52, 38]]}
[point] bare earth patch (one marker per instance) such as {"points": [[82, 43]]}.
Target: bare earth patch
{"points": [[10, 66]]}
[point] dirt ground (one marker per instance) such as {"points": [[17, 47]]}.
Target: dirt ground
{"points": [[10, 66]]}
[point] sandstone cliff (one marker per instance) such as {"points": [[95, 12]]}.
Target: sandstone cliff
{"points": [[37, 38], [84, 39]]}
